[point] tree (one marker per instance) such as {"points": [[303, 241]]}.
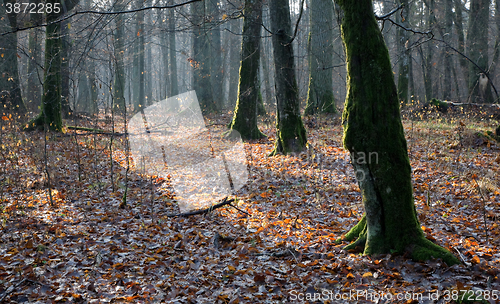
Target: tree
{"points": [[428, 61], [50, 110], [216, 66], [245, 112], [404, 52], [448, 63], [140, 99], [320, 97], [201, 59], [290, 131], [234, 61], [119, 66], [33, 88], [477, 49], [9, 73], [174, 87], [374, 136]]}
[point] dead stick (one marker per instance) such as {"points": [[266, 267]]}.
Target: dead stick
{"points": [[7, 292], [204, 211]]}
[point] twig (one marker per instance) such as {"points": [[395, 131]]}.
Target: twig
{"points": [[11, 289], [484, 210], [243, 211], [100, 13], [386, 16], [462, 257], [204, 211]]}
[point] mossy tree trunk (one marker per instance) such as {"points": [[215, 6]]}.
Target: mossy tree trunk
{"points": [[320, 97], [50, 109], [201, 59], [403, 41], [477, 49], [290, 131], [245, 112], [9, 73], [374, 136]]}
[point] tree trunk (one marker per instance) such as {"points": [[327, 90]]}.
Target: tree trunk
{"points": [[34, 88], [174, 87], [9, 73], [201, 59], [428, 63], [119, 67], [374, 136], [245, 112], [234, 61], [140, 101], [320, 97], [461, 37], [477, 50], [403, 41], [290, 131], [448, 24], [50, 109], [65, 73], [216, 67]]}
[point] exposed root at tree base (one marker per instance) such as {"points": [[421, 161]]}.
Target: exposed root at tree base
{"points": [[38, 123], [421, 249]]}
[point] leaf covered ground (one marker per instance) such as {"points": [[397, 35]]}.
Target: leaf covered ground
{"points": [[75, 244]]}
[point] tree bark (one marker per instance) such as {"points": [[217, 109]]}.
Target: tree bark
{"points": [[245, 112], [320, 97], [290, 131], [374, 136]]}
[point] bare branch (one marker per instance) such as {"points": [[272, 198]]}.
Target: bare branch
{"points": [[101, 13]]}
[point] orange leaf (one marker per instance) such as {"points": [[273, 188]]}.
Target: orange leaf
{"points": [[5, 118], [350, 276], [475, 260]]}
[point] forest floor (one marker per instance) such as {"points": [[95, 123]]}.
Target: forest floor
{"points": [[75, 244]]}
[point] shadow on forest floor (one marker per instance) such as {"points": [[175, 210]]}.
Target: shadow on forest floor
{"points": [[84, 248]]}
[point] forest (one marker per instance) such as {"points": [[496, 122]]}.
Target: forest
{"points": [[249, 151]]}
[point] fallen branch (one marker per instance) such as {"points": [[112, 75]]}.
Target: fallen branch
{"points": [[93, 131], [204, 211]]}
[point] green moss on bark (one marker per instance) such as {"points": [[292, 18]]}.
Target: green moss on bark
{"points": [[372, 126], [249, 98], [50, 114], [290, 131]]}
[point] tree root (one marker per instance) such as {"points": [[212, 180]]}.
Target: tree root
{"points": [[420, 249]]}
